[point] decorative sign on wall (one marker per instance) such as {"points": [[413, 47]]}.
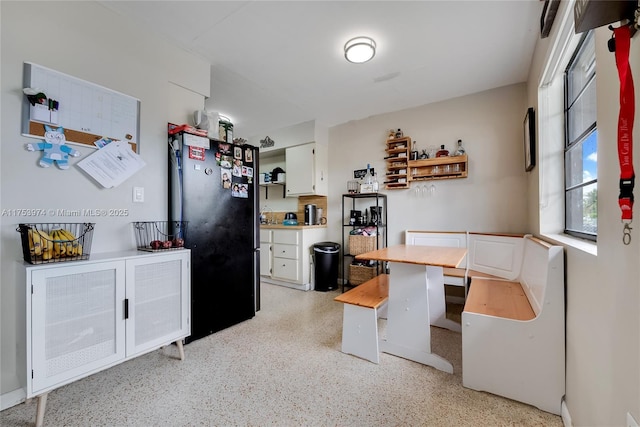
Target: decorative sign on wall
{"points": [[87, 112], [267, 142]]}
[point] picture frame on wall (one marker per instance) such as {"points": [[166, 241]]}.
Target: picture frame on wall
{"points": [[530, 139]]}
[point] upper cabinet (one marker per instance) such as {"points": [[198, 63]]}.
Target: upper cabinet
{"points": [[306, 170]]}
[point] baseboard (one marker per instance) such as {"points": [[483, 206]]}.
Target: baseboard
{"points": [[13, 398], [566, 417], [303, 287]]}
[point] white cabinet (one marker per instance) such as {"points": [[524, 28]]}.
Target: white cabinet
{"points": [[287, 255], [83, 317], [265, 253], [290, 257], [306, 168]]}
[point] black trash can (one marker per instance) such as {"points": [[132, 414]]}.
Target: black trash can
{"points": [[326, 259]]}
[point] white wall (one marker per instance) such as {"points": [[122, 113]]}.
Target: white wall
{"points": [[492, 198], [91, 43], [603, 321]]}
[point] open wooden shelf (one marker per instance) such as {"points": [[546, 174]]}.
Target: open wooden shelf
{"points": [[438, 168], [397, 163]]}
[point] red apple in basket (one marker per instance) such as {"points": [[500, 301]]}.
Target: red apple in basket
{"points": [[178, 242], [155, 244], [166, 244]]}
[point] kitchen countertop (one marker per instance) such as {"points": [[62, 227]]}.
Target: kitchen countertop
{"points": [[291, 227]]}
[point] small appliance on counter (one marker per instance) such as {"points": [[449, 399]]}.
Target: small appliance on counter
{"points": [[310, 214], [290, 219]]}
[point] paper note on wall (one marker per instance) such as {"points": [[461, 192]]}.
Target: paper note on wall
{"points": [[113, 164]]}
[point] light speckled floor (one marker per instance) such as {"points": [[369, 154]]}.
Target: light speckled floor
{"points": [[282, 368]]}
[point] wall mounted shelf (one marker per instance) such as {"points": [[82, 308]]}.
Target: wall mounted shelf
{"points": [[397, 158], [438, 168]]}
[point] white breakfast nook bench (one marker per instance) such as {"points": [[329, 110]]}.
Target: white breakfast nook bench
{"points": [[513, 325]]}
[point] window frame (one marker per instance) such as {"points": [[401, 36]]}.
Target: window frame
{"points": [[584, 136]]}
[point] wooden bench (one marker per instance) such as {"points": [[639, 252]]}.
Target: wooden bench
{"points": [[362, 307], [513, 330]]}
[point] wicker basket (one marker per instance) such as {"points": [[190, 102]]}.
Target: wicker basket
{"points": [[156, 236], [360, 273], [43, 243], [360, 244]]}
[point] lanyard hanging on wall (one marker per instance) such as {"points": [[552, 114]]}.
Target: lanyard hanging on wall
{"points": [[622, 38]]}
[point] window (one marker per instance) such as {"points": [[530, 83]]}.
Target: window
{"points": [[581, 142]]}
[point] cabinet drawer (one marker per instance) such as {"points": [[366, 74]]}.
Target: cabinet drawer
{"points": [[265, 236], [289, 237], [285, 251], [285, 269]]}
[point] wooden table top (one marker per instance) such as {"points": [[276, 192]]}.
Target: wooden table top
{"points": [[414, 254]]}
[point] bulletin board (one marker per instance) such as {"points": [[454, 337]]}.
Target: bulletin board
{"points": [[87, 112]]}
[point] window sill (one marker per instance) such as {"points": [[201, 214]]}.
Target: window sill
{"points": [[585, 246]]}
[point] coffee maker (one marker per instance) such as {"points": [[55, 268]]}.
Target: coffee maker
{"points": [[376, 215]]}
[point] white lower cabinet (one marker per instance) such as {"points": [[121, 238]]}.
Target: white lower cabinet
{"points": [[85, 316], [290, 255], [265, 252]]}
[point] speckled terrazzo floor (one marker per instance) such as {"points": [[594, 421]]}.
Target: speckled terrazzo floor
{"points": [[282, 368]]}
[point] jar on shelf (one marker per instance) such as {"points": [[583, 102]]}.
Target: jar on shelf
{"points": [[442, 152]]}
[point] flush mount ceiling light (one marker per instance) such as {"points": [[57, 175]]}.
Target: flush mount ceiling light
{"points": [[360, 49]]}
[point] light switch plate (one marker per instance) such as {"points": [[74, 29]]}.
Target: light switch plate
{"points": [[138, 194]]}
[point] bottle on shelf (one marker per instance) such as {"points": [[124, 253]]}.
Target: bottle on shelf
{"points": [[399, 133], [368, 178], [460, 150], [376, 184], [414, 152], [442, 152]]}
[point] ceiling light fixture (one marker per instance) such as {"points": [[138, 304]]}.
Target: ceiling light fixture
{"points": [[360, 49]]}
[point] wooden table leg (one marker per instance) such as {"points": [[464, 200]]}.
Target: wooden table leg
{"points": [[180, 349], [408, 333], [42, 405]]}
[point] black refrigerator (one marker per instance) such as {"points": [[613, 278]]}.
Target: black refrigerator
{"points": [[213, 188]]}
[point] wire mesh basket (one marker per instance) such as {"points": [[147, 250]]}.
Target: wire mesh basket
{"points": [[44, 243], [155, 236]]}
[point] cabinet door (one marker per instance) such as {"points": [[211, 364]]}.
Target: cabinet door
{"points": [[287, 269], [157, 291], [285, 251], [265, 259], [300, 167], [77, 322], [288, 237]]}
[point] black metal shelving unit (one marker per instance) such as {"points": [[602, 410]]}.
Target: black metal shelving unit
{"points": [[358, 201]]}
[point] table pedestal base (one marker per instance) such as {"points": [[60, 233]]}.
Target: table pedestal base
{"points": [[408, 325]]}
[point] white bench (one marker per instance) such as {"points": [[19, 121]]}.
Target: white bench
{"points": [[362, 307], [455, 239], [492, 255], [513, 328]]}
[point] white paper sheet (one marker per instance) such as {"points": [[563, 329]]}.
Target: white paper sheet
{"points": [[111, 165]]}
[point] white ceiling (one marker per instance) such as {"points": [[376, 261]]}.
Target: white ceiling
{"points": [[278, 63]]}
